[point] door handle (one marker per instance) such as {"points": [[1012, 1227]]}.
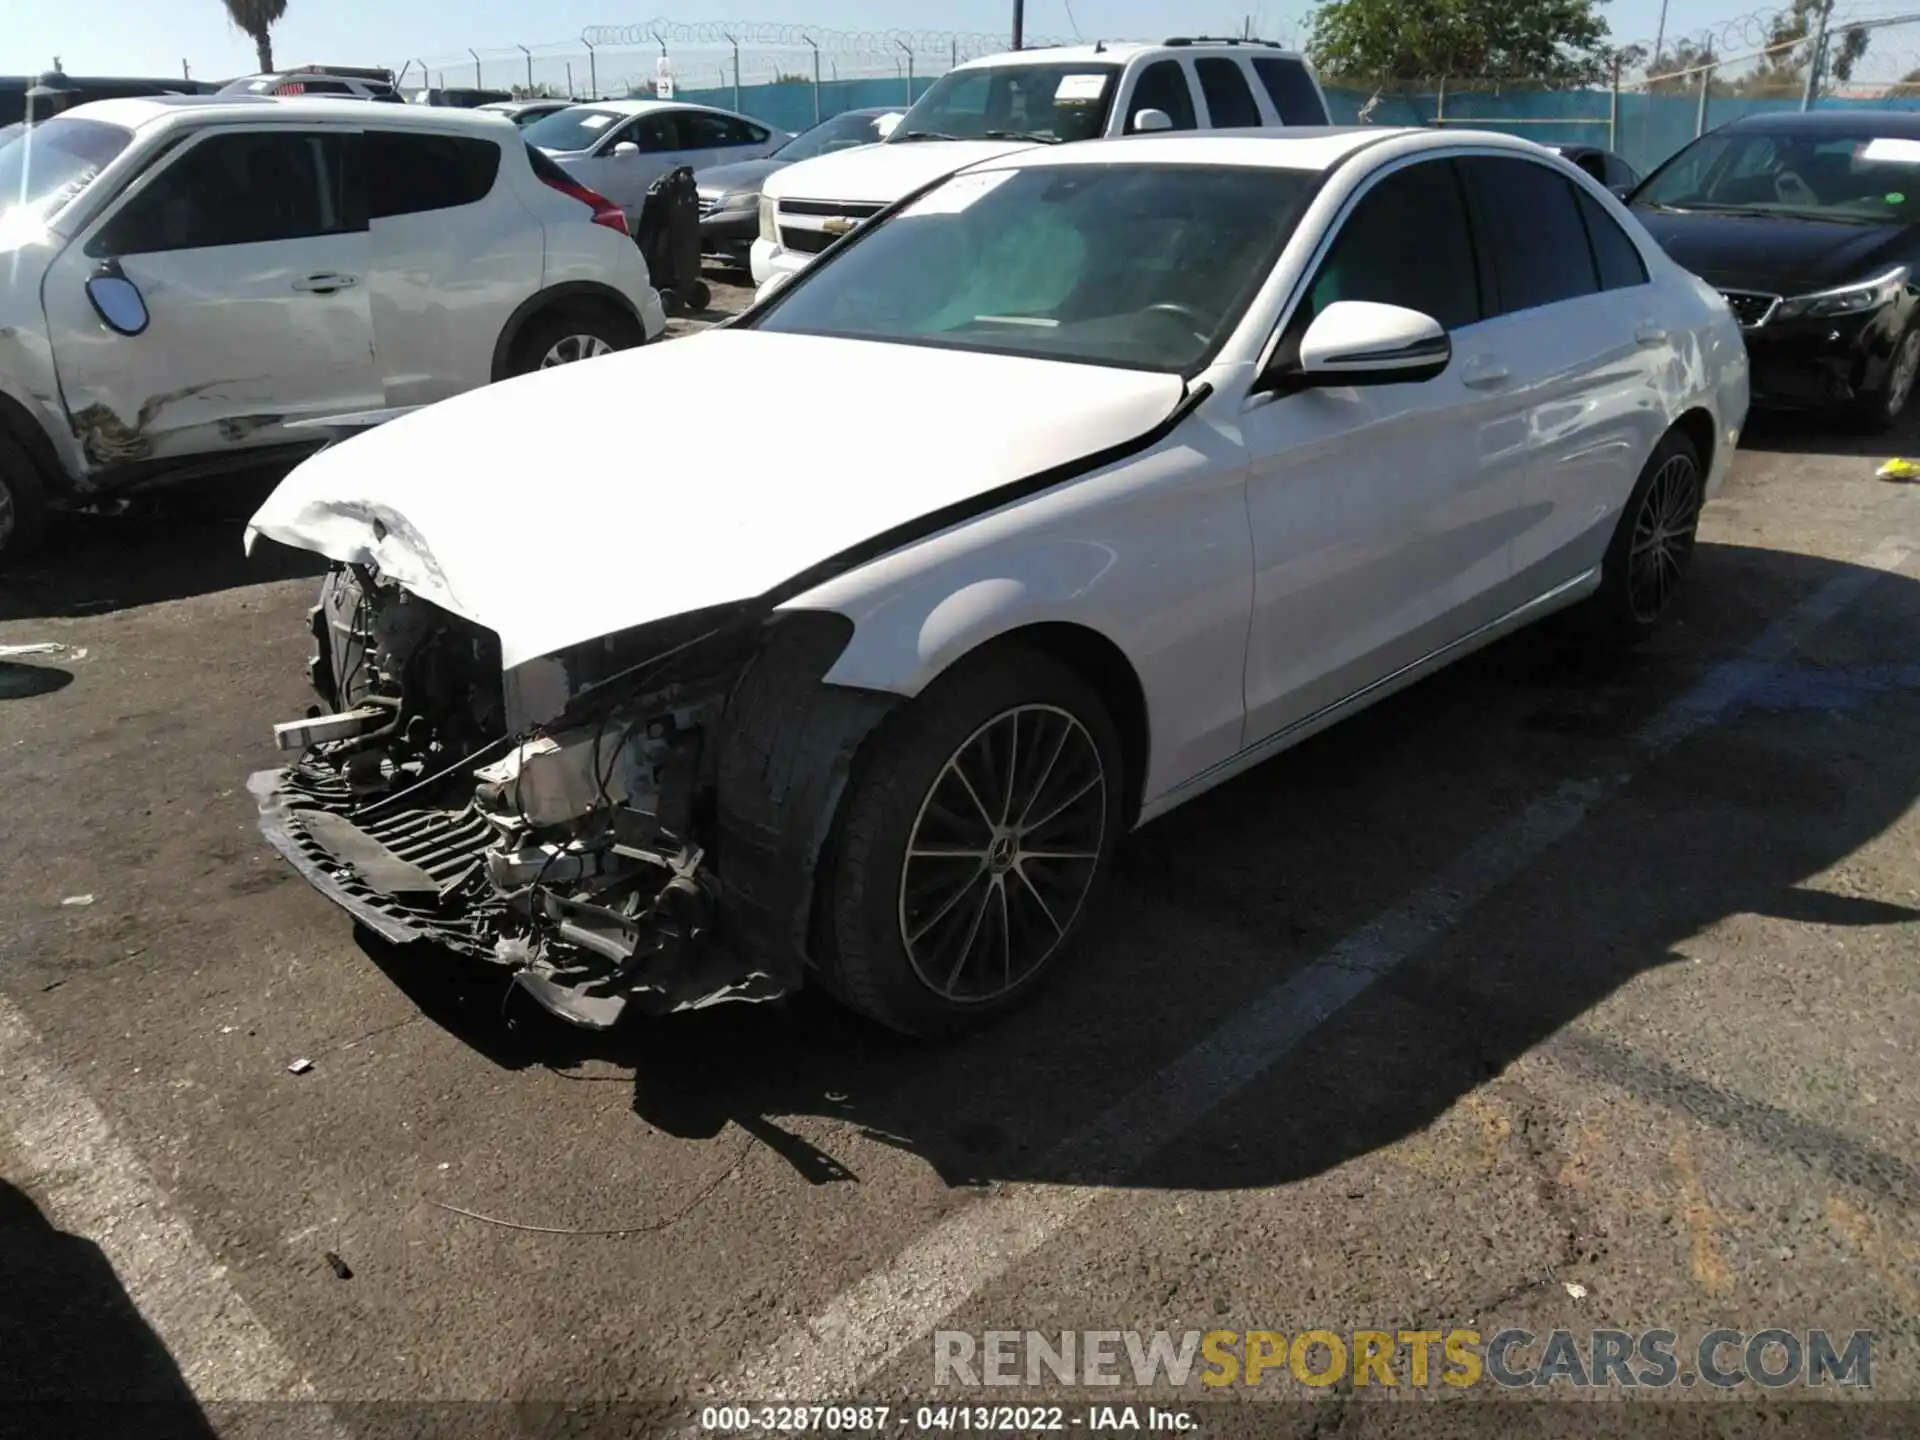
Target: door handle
{"points": [[326, 284], [1648, 333], [1482, 374]]}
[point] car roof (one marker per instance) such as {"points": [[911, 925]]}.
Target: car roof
{"points": [[1830, 122], [1293, 147], [1103, 52], [642, 107], [144, 110]]}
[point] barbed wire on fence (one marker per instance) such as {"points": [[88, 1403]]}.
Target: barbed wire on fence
{"points": [[796, 37]]}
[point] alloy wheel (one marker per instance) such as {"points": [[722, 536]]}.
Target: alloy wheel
{"points": [[1002, 853], [1906, 366], [574, 347], [1663, 536]]}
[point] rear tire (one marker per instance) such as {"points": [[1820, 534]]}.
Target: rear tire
{"points": [[978, 834], [566, 336], [1651, 550], [23, 502]]}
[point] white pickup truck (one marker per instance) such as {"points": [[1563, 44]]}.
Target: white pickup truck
{"points": [[989, 107]]}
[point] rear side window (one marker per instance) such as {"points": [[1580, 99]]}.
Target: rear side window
{"points": [[1163, 86], [247, 188], [1295, 97], [408, 174], [1615, 256], [1229, 99], [1532, 239], [1406, 243]]}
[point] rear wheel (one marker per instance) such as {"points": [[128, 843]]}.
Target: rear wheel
{"points": [[1652, 546], [23, 501], [566, 337], [975, 841]]}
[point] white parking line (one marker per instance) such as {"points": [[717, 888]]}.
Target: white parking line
{"points": [[92, 1185], [864, 1328]]}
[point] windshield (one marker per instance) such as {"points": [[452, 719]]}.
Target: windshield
{"points": [[843, 132], [1856, 177], [1141, 266], [577, 128], [1042, 102], [44, 167]]}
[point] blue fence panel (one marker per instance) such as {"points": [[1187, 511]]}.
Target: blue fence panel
{"points": [[790, 106]]}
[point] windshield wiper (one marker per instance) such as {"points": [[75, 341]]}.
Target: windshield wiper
{"points": [[923, 135], [1020, 135]]}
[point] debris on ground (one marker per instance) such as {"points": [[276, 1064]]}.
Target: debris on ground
{"points": [[300, 1066], [78, 900], [340, 1268], [1575, 1289], [37, 647], [1898, 469]]}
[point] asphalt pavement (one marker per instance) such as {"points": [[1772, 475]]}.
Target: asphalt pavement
{"points": [[1548, 994]]}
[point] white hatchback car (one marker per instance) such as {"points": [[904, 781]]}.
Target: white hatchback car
{"points": [[184, 279], [620, 147], [1094, 476]]}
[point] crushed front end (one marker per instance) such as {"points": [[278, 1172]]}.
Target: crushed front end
{"points": [[546, 820]]}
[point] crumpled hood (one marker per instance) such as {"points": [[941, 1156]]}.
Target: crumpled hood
{"points": [[590, 498], [880, 174]]}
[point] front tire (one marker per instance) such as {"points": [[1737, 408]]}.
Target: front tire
{"points": [[976, 838], [1882, 409], [1652, 546], [23, 502]]}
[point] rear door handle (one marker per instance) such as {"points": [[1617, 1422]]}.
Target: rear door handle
{"points": [[326, 284], [1484, 374], [1648, 333]]}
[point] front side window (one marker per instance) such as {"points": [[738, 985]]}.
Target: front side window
{"points": [[1406, 243], [244, 188], [1144, 266], [580, 127], [1163, 86], [1529, 228], [1853, 176], [1041, 102], [408, 174], [43, 168], [656, 134], [843, 132], [1230, 100]]}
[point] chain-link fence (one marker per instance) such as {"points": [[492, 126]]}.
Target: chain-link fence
{"points": [[1870, 64]]}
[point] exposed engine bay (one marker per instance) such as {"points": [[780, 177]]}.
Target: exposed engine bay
{"points": [[547, 820]]}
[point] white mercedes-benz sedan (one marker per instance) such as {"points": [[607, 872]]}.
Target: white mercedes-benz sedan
{"points": [[1080, 481]]}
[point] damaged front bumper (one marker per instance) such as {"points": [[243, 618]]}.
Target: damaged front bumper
{"points": [[434, 873]]}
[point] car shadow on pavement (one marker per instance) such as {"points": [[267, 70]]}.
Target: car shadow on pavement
{"points": [[1242, 889], [168, 547], [1794, 433], [78, 1357]]}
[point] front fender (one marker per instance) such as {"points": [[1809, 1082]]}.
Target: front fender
{"points": [[902, 640]]}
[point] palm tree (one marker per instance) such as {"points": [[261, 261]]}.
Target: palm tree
{"points": [[257, 18]]}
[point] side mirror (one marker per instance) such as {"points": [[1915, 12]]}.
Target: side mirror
{"points": [[1359, 342], [1622, 190], [1150, 119], [625, 150], [117, 300], [886, 124]]}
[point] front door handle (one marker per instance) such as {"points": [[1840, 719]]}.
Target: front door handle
{"points": [[326, 284], [1648, 333], [1483, 374]]}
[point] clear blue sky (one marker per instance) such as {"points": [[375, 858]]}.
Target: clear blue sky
{"points": [[154, 36]]}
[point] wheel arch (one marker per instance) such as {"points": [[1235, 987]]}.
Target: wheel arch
{"points": [[20, 426], [569, 295], [1698, 425]]}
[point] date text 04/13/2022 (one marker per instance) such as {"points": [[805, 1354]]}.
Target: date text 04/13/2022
{"points": [[940, 1419]]}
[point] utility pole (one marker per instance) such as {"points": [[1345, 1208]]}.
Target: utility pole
{"points": [[1659, 39], [1019, 22], [1811, 90]]}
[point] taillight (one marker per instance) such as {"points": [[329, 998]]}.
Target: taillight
{"points": [[605, 212]]}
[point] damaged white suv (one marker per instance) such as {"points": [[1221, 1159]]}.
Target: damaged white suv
{"points": [[185, 280], [1093, 476]]}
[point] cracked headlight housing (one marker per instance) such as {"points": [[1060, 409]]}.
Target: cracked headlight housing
{"points": [[1859, 299], [769, 221]]}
